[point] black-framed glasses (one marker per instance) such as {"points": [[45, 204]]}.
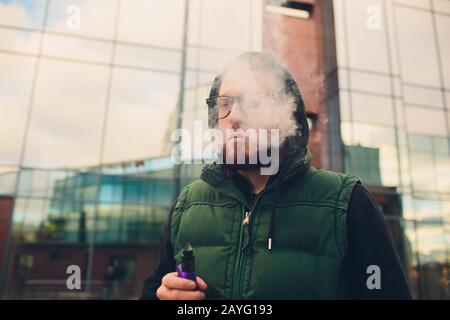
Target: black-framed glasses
{"points": [[249, 102]]}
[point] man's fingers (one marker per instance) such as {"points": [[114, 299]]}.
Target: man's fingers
{"points": [[201, 284], [187, 295], [172, 281], [165, 294], [175, 288]]}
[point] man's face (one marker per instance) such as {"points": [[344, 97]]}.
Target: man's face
{"points": [[259, 95]]}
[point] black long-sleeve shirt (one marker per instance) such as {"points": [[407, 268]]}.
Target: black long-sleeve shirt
{"points": [[369, 243]]}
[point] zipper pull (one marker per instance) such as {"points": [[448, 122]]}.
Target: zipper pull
{"points": [[246, 219]]}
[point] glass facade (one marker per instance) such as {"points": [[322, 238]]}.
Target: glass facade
{"points": [[394, 87], [90, 92], [88, 99]]}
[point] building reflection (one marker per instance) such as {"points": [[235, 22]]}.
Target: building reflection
{"points": [[132, 203], [91, 100]]}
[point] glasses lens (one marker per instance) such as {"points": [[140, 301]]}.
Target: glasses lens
{"points": [[253, 101], [223, 105], [250, 101]]}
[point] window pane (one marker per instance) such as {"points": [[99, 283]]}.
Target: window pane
{"points": [[213, 60], [216, 18], [432, 244], [67, 115], [370, 82], [424, 4], [8, 176], [372, 109], [447, 98], [95, 18], [366, 47], [372, 155], [344, 105], [34, 183], [75, 48], [142, 106], [423, 177], [432, 256], [23, 13], [441, 6], [442, 167], [415, 30], [425, 121], [15, 82], [19, 41], [440, 146], [443, 30], [419, 143], [412, 271], [155, 59], [423, 96], [145, 21], [34, 216], [341, 33], [446, 215], [372, 135]]}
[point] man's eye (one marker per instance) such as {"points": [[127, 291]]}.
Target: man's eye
{"points": [[250, 101], [224, 104], [273, 96]]}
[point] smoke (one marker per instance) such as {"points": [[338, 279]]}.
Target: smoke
{"points": [[252, 74]]}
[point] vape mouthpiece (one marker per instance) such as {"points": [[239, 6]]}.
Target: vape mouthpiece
{"points": [[186, 269], [188, 250]]}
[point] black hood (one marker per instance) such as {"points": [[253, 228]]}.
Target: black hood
{"points": [[294, 143]]}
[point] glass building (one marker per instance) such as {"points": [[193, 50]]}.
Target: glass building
{"points": [[393, 62], [90, 92]]}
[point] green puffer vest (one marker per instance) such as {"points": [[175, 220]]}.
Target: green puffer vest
{"points": [[309, 238]]}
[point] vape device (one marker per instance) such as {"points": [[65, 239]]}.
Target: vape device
{"points": [[186, 269]]}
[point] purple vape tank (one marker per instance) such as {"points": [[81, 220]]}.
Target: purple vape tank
{"points": [[186, 269]]}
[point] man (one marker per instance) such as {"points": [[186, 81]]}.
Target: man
{"points": [[299, 233]]}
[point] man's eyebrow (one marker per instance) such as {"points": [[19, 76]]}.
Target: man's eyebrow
{"points": [[228, 93]]}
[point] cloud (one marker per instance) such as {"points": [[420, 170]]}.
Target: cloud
{"points": [[70, 100], [17, 14]]}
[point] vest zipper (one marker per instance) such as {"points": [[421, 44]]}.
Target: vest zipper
{"points": [[237, 264], [241, 258]]}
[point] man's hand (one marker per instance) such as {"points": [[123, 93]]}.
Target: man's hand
{"points": [[176, 288]]}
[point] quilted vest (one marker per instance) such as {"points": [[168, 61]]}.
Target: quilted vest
{"points": [[309, 237]]}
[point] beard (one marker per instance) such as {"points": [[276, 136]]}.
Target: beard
{"points": [[247, 160]]}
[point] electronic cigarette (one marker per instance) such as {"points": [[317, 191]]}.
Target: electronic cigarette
{"points": [[186, 269]]}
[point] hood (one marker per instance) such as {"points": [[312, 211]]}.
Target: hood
{"points": [[294, 143]]}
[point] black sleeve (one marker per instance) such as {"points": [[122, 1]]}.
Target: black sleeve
{"points": [[165, 262], [370, 243]]}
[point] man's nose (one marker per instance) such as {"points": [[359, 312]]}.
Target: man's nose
{"points": [[236, 115]]}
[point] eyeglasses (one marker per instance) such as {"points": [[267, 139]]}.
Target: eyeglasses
{"points": [[249, 102]]}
